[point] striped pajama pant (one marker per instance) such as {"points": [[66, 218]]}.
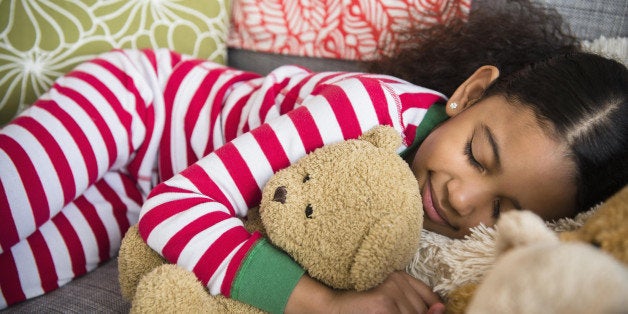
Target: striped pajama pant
{"points": [[76, 167]]}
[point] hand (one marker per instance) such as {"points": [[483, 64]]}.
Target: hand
{"points": [[399, 293]]}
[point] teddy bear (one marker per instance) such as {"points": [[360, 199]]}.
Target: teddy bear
{"points": [[349, 213], [538, 270]]}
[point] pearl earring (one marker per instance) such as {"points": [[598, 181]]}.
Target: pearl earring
{"points": [[453, 105]]}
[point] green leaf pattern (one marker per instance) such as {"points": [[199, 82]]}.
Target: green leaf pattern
{"points": [[41, 40]]}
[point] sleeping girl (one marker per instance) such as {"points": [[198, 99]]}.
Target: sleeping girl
{"points": [[511, 118]]}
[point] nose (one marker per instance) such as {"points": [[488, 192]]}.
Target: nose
{"points": [[468, 197], [280, 194]]}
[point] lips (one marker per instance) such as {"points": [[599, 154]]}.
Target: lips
{"points": [[430, 209]]}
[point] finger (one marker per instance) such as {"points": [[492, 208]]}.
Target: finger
{"points": [[412, 300], [423, 290], [436, 308]]}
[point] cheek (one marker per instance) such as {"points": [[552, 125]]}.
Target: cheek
{"points": [[424, 159], [433, 148]]}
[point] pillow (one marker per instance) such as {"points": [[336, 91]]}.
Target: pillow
{"points": [[42, 40], [615, 48], [587, 19], [353, 30]]}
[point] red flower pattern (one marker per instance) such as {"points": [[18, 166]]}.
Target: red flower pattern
{"points": [[343, 29]]}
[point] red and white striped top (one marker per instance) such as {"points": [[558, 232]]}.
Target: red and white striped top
{"points": [[157, 108]]}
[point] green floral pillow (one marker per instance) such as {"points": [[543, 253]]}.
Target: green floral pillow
{"points": [[42, 40]]}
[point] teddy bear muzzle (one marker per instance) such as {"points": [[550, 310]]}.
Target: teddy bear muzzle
{"points": [[280, 194]]}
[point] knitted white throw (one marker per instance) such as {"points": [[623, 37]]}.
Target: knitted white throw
{"points": [[445, 263]]}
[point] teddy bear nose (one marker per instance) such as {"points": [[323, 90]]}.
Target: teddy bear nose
{"points": [[280, 194]]}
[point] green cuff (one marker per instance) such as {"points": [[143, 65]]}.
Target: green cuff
{"points": [[266, 278]]}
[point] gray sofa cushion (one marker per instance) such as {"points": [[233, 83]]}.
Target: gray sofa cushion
{"points": [[95, 292], [588, 19], [262, 62]]}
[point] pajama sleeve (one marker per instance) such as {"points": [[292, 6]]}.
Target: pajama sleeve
{"points": [[193, 220]]}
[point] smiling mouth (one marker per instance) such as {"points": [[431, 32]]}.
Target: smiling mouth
{"points": [[432, 211]]}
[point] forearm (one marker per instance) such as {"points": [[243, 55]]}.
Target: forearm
{"points": [[399, 293], [309, 296]]}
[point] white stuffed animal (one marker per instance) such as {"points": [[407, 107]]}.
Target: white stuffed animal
{"points": [[537, 273]]}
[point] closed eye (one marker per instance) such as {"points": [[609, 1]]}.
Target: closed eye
{"points": [[496, 208], [468, 151]]}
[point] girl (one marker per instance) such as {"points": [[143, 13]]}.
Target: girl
{"points": [[78, 166]]}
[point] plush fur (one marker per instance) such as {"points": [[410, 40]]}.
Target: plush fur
{"points": [[350, 214], [447, 264], [535, 272]]}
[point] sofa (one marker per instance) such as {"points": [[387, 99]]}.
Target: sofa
{"points": [[98, 290]]}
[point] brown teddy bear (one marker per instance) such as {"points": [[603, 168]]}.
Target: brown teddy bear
{"points": [[350, 213], [536, 272]]}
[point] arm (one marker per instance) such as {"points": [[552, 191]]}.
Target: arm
{"points": [[192, 218], [400, 293]]}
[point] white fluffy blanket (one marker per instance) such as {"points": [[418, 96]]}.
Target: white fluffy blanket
{"points": [[445, 263]]}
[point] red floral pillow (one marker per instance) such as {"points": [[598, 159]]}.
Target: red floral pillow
{"points": [[345, 29]]}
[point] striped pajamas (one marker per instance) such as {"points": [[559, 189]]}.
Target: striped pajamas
{"points": [[77, 167]]}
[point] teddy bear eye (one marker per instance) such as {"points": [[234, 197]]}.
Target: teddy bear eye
{"points": [[306, 178], [309, 211]]}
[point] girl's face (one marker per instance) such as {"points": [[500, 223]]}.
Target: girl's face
{"points": [[489, 158]]}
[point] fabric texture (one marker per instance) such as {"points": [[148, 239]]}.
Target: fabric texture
{"points": [[588, 20], [592, 19], [71, 167], [355, 30], [41, 40], [96, 292]]}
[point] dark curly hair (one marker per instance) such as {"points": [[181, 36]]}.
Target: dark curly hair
{"points": [[443, 56]]}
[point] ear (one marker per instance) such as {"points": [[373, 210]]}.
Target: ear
{"points": [[389, 246], [382, 136], [521, 228], [472, 89]]}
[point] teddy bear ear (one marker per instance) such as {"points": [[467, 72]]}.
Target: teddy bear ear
{"points": [[520, 228], [389, 246], [383, 136]]}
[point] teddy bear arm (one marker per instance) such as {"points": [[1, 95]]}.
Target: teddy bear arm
{"points": [[382, 136], [385, 249]]}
